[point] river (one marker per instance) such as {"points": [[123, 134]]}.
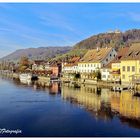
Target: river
{"points": [[63, 111]]}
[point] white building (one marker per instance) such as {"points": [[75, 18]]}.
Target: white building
{"points": [[105, 74], [96, 59], [40, 65], [69, 68]]}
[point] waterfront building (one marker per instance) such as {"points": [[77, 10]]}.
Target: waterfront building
{"points": [[116, 64], [130, 65], [71, 66], [95, 59], [40, 65], [105, 72], [56, 70]]}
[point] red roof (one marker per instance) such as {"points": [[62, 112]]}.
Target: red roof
{"points": [[120, 54]]}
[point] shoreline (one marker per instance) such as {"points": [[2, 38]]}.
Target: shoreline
{"points": [[45, 81]]}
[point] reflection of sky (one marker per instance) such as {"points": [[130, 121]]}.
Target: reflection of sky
{"points": [[38, 113]]}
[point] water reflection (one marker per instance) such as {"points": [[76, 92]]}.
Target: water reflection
{"points": [[126, 104], [106, 104], [100, 102], [58, 110]]}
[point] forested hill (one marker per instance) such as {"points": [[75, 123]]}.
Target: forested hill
{"points": [[112, 39]]}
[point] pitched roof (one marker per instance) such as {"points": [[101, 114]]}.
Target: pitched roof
{"points": [[75, 59], [108, 66], [133, 52], [95, 55], [70, 65], [121, 53]]}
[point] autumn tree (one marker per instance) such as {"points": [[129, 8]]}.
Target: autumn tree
{"points": [[23, 64]]}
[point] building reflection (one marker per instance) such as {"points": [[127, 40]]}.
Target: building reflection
{"points": [[100, 102], [93, 99], [126, 104], [107, 104], [54, 88]]}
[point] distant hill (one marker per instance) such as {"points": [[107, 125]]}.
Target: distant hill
{"points": [[37, 53], [116, 40]]}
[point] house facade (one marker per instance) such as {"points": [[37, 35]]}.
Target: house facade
{"points": [[56, 70], [96, 59], [130, 65], [71, 66], [40, 65], [116, 65], [106, 72]]}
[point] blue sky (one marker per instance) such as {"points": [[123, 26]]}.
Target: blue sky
{"points": [[25, 25]]}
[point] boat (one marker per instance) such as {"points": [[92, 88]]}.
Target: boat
{"points": [[25, 78]]}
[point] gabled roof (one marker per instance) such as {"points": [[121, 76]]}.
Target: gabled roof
{"points": [[75, 59], [121, 53], [70, 65], [133, 52], [96, 55], [108, 66]]}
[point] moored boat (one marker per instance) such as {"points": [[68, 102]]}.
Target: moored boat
{"points": [[25, 78]]}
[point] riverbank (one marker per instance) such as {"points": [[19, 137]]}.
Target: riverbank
{"points": [[45, 81], [105, 84]]}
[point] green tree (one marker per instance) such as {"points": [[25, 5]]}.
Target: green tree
{"points": [[98, 75], [77, 76]]}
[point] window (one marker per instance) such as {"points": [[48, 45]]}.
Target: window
{"points": [[130, 53], [123, 76], [106, 60], [123, 68], [128, 68], [91, 65], [133, 68], [104, 76]]}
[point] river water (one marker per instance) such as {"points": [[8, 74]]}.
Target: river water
{"points": [[64, 111]]}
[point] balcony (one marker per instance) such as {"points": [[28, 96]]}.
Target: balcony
{"points": [[115, 72]]}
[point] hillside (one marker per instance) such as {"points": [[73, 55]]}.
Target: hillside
{"points": [[37, 53], [116, 40]]}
